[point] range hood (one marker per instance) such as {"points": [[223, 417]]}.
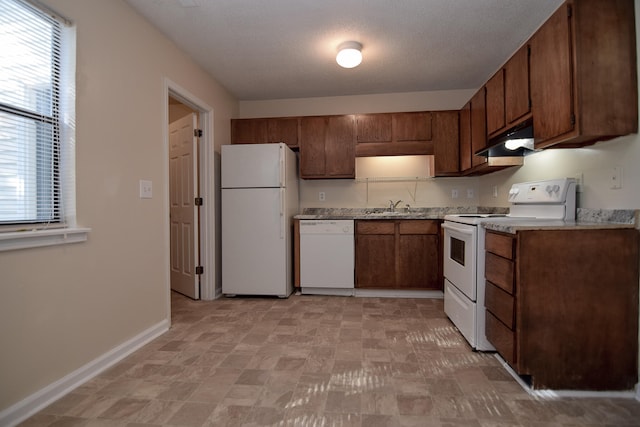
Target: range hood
{"points": [[516, 142]]}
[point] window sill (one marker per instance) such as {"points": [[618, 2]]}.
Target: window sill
{"points": [[34, 239]]}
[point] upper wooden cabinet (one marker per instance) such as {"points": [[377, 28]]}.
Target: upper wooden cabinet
{"points": [[392, 134], [473, 132], [507, 94], [478, 127], [583, 74], [446, 147], [327, 147], [265, 130]]}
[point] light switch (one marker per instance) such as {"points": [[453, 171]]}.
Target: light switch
{"points": [[146, 189]]}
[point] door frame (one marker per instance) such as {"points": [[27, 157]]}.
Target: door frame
{"points": [[208, 165]]}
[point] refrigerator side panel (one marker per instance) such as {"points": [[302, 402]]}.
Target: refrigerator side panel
{"points": [[251, 166], [255, 243]]}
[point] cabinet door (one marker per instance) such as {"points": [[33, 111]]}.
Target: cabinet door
{"points": [[284, 130], [478, 126], [313, 132], [551, 77], [340, 143], [375, 254], [412, 127], [465, 137], [446, 143], [418, 261], [373, 128], [495, 102], [249, 131], [517, 99], [418, 256]]}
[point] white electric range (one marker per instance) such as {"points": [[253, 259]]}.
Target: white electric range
{"points": [[464, 255]]}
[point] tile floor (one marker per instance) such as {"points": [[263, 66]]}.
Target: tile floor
{"points": [[317, 361]]}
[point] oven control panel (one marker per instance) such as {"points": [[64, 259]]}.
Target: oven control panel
{"points": [[542, 192]]}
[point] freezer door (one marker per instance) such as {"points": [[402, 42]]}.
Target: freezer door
{"points": [[253, 165], [256, 242]]}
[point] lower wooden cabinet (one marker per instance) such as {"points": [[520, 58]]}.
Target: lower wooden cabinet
{"points": [[562, 306], [399, 254]]}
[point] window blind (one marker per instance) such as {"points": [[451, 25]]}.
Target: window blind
{"points": [[30, 144]]}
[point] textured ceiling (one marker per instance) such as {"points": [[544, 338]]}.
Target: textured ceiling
{"points": [[261, 49]]}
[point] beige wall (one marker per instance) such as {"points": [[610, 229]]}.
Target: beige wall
{"points": [[62, 307]]}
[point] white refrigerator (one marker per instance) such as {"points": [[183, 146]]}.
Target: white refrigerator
{"points": [[259, 199]]}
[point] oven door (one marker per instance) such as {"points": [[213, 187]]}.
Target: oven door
{"points": [[460, 256]]}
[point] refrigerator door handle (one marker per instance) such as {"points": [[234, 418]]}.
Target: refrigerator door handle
{"points": [[282, 169], [282, 213]]}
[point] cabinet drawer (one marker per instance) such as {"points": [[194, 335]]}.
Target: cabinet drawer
{"points": [[418, 227], [500, 304], [500, 244], [499, 271], [375, 227], [502, 338]]}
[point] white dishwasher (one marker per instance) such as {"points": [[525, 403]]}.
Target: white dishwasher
{"points": [[327, 257]]}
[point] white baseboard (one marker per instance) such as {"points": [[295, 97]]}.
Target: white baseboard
{"points": [[399, 293], [27, 407]]}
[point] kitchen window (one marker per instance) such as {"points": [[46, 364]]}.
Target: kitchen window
{"points": [[37, 127]]}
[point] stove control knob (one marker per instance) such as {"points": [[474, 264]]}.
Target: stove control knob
{"points": [[556, 188], [549, 189]]}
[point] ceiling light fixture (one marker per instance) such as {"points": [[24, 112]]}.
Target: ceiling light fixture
{"points": [[349, 54]]}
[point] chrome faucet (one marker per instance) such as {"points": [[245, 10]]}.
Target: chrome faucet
{"points": [[393, 206]]}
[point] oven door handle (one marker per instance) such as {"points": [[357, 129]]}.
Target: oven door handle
{"points": [[462, 230]]}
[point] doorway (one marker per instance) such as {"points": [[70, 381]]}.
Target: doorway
{"points": [[184, 197], [179, 103]]}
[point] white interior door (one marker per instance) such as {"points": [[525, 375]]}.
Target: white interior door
{"points": [[183, 178]]}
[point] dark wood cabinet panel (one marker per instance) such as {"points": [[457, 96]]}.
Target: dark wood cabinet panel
{"points": [[249, 131], [340, 158], [373, 128], [375, 261], [446, 143], [465, 137], [517, 98], [551, 77], [575, 305], [499, 271], [412, 126], [500, 244], [394, 134], [327, 146], [501, 304], [284, 130], [508, 100], [265, 130], [313, 133], [496, 118], [478, 127], [502, 338], [402, 254], [584, 74], [418, 261]]}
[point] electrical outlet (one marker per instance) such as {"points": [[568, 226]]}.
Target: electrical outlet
{"points": [[495, 191], [454, 193], [322, 196], [470, 193], [616, 178], [146, 189]]}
